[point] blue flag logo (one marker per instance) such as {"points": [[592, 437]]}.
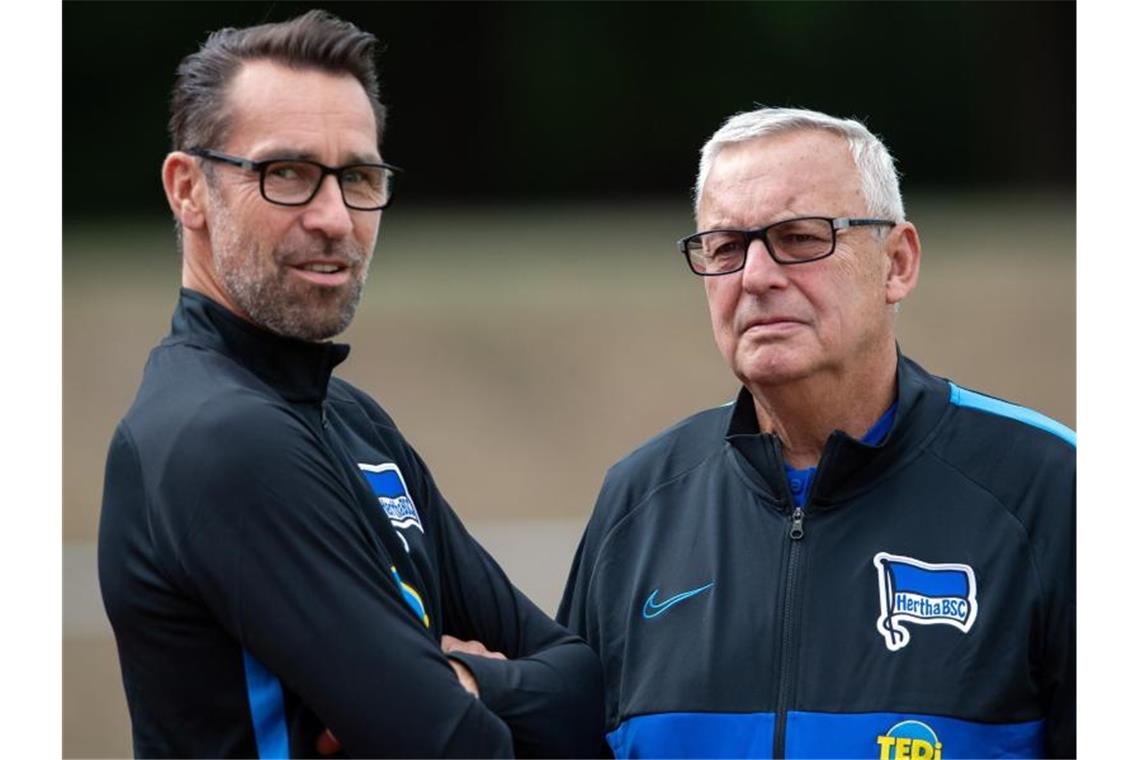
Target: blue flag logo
{"points": [[391, 492], [914, 591]]}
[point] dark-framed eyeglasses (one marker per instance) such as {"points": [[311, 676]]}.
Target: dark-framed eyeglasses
{"points": [[295, 182], [791, 241]]}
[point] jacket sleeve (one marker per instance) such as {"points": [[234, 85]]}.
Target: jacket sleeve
{"points": [[1055, 545], [261, 524], [574, 607], [549, 691], [578, 608]]}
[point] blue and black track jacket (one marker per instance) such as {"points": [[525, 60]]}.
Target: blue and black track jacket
{"points": [[276, 559], [921, 604]]}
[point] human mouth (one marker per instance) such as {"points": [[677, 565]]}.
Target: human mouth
{"points": [[324, 273], [773, 325], [326, 268]]}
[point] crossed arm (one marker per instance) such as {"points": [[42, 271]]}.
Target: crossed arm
{"points": [[277, 549]]}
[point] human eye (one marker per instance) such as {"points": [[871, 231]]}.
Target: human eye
{"points": [[282, 170], [291, 176], [363, 176], [802, 232], [289, 181], [801, 238], [723, 245]]}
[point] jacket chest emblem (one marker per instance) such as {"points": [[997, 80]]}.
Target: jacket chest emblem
{"points": [[652, 607], [913, 591], [387, 483], [911, 739]]}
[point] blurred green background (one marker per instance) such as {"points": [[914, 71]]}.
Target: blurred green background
{"points": [[528, 320]]}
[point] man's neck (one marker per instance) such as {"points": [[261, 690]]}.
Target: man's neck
{"points": [[198, 275], [803, 414]]}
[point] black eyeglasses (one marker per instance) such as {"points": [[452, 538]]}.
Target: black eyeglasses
{"points": [[792, 241], [295, 182]]}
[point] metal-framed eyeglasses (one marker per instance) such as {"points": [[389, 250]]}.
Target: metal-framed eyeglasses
{"points": [[295, 182], [791, 241]]}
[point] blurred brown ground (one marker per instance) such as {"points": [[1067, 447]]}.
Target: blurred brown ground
{"points": [[523, 352]]}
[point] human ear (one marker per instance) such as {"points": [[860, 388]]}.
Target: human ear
{"points": [[184, 183], [904, 252]]}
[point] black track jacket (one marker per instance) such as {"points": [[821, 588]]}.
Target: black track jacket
{"points": [[275, 558], [921, 606]]}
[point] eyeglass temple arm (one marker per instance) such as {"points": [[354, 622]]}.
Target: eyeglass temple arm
{"points": [[224, 158], [845, 222]]}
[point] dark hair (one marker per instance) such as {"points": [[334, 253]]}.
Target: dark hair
{"points": [[318, 39]]}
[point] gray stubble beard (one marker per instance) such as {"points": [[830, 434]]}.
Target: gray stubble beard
{"points": [[305, 311], [313, 316]]}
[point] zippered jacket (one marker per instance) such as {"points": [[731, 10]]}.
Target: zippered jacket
{"points": [[920, 605], [275, 559]]}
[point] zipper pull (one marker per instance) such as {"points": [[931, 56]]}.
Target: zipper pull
{"points": [[797, 531], [324, 417]]}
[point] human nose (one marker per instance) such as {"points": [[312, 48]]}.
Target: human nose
{"points": [[761, 272], [326, 212]]}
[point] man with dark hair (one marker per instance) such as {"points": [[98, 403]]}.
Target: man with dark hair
{"points": [[854, 558], [274, 557]]}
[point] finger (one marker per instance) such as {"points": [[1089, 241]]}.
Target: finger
{"points": [[466, 680], [452, 644]]}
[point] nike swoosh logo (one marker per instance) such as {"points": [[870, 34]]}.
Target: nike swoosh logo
{"points": [[652, 609]]}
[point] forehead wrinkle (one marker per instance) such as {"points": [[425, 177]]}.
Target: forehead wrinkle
{"points": [[291, 129], [738, 206], [771, 179], [273, 152], [296, 111]]}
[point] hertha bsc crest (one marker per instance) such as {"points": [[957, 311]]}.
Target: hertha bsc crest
{"points": [[392, 492], [919, 592]]}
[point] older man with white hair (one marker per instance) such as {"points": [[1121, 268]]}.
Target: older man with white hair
{"points": [[854, 558]]}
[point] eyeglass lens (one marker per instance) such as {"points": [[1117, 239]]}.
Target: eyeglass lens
{"points": [[294, 182], [790, 241]]}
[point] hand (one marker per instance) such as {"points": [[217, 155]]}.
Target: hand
{"points": [[452, 644], [327, 744], [466, 680]]}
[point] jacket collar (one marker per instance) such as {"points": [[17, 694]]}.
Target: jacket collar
{"points": [[847, 466], [297, 369]]}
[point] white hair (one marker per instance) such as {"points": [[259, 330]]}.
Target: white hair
{"points": [[879, 179]]}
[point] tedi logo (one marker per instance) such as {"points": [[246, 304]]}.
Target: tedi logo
{"points": [[910, 740], [914, 591]]}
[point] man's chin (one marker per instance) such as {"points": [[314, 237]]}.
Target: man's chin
{"points": [[316, 327], [770, 366], [321, 313], [311, 323]]}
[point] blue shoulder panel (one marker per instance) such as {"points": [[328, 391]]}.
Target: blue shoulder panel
{"points": [[267, 706], [972, 400], [894, 736], [684, 734]]}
